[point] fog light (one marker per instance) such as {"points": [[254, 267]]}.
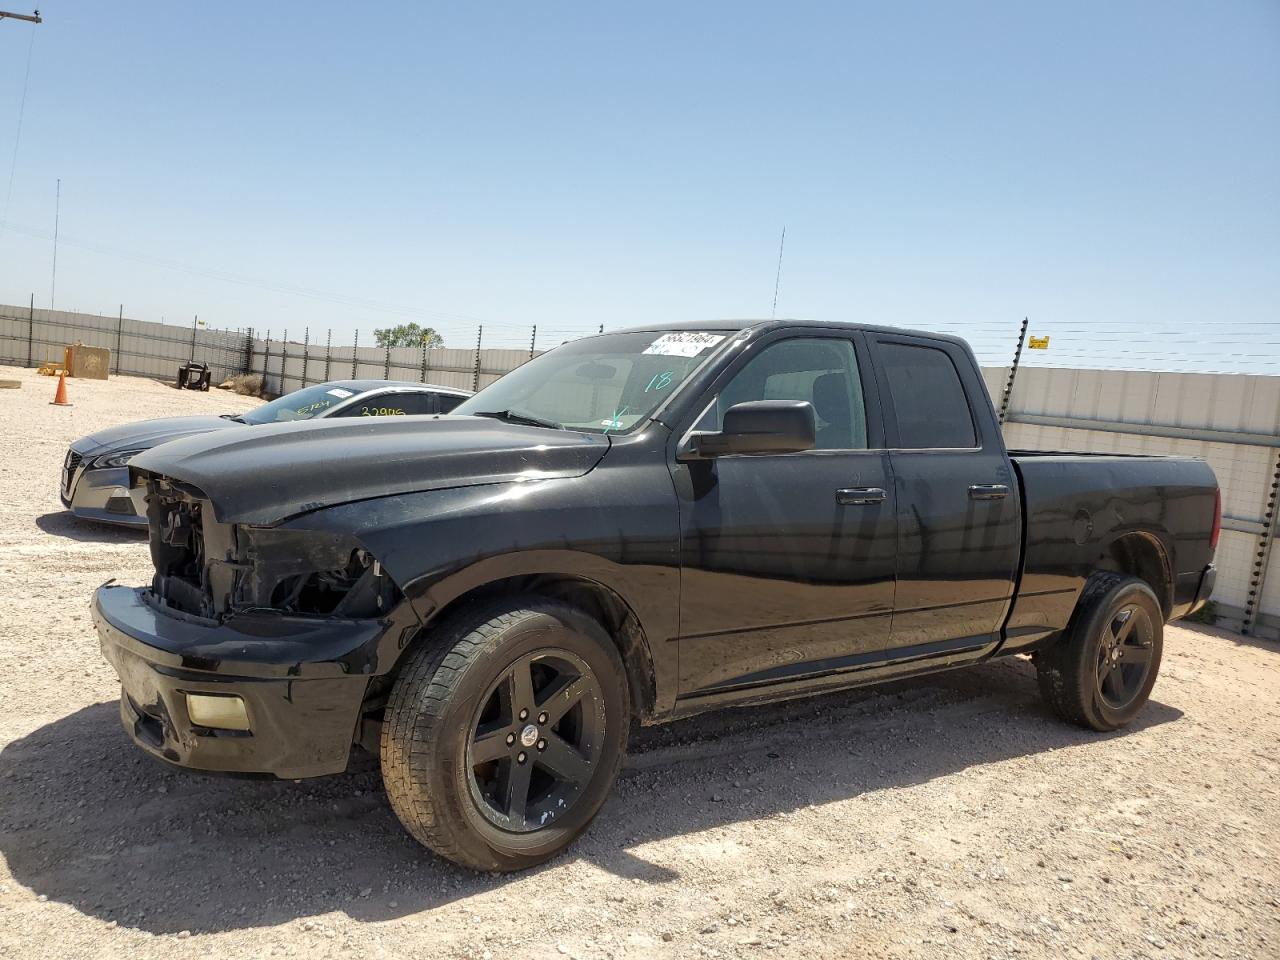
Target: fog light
{"points": [[219, 712], [120, 502]]}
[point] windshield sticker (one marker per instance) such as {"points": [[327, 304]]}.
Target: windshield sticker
{"points": [[614, 422], [688, 343], [340, 393], [660, 381]]}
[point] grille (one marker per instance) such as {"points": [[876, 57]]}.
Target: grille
{"points": [[69, 469]]}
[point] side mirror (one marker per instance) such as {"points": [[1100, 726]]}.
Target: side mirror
{"points": [[758, 427]]}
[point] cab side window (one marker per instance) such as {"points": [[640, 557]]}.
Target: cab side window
{"points": [[820, 370], [928, 398]]}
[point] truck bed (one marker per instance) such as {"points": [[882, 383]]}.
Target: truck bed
{"points": [[1085, 511]]}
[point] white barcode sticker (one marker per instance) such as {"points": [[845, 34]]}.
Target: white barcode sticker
{"points": [[688, 343], [340, 393]]}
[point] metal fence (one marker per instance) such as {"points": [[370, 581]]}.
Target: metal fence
{"points": [[287, 365], [1230, 419], [30, 336]]}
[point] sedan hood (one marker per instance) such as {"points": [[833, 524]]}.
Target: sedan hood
{"points": [[270, 473], [148, 433]]}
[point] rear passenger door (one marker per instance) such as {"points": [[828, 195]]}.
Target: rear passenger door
{"points": [[959, 519]]}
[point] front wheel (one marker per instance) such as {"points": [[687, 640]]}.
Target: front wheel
{"points": [[1100, 673], [505, 733]]}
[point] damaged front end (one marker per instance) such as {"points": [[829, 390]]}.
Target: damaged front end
{"points": [[255, 650], [213, 570]]}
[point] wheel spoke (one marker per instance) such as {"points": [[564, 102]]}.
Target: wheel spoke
{"points": [[521, 682], [490, 743], [562, 696], [1113, 684], [565, 762], [1126, 625], [517, 794], [1136, 656]]}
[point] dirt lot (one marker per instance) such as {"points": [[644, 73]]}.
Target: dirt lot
{"points": [[949, 817]]}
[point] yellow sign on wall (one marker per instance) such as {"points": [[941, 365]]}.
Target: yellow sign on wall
{"points": [[1038, 343]]}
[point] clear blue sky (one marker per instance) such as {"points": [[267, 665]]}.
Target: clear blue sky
{"points": [[1108, 166]]}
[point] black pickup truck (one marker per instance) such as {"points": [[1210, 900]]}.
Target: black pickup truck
{"points": [[634, 526]]}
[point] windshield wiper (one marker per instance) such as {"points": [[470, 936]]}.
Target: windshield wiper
{"points": [[515, 416], [233, 416]]}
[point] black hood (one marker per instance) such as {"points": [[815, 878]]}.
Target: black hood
{"points": [[270, 473], [148, 433]]}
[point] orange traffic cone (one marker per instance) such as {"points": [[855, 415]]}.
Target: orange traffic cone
{"points": [[60, 398]]}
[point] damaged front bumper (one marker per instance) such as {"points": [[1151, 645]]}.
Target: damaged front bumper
{"points": [[303, 682]]}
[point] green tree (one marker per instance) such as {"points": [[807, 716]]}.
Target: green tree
{"points": [[408, 335]]}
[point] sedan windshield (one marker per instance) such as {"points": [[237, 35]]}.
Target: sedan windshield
{"points": [[604, 384], [302, 404]]}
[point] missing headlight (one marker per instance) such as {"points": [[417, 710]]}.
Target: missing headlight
{"points": [[312, 574]]}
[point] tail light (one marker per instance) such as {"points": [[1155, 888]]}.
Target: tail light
{"points": [[1217, 519]]}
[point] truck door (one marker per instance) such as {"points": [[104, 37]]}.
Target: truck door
{"points": [[787, 561], [959, 523]]}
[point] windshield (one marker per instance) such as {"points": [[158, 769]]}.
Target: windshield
{"points": [[300, 405], [604, 384]]}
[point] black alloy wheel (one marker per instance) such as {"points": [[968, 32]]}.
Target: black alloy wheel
{"points": [[1099, 673], [1124, 657], [505, 731], [536, 740]]}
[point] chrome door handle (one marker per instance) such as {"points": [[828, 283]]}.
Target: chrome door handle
{"points": [[988, 491], [859, 496]]}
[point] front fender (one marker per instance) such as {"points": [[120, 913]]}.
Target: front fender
{"points": [[440, 545]]}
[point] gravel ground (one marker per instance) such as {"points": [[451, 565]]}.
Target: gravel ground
{"points": [[950, 816]]}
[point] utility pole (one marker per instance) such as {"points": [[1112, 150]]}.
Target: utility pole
{"points": [[29, 17]]}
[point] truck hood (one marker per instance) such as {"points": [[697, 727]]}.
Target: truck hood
{"points": [[148, 433], [270, 473]]}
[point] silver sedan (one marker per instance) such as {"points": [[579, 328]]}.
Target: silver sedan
{"points": [[95, 473]]}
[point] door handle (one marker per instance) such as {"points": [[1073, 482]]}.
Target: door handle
{"points": [[988, 491], [859, 496]]}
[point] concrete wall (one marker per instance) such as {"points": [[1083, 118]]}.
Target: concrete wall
{"points": [[1231, 420]]}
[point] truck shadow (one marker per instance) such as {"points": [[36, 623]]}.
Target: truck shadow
{"points": [[88, 821]]}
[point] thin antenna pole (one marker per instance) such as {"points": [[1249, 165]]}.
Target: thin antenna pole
{"points": [[777, 278], [57, 215], [22, 110]]}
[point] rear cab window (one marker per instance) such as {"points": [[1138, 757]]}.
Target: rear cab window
{"points": [[929, 400]]}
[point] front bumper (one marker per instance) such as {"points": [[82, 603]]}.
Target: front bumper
{"points": [[102, 494], [303, 681]]}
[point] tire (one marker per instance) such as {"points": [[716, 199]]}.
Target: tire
{"points": [[1100, 673], [456, 753]]}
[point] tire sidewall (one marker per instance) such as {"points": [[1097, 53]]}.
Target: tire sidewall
{"points": [[1100, 714], [443, 769]]}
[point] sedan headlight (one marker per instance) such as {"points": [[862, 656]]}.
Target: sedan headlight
{"points": [[120, 459]]}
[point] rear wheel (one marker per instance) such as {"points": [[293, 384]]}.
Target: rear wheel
{"points": [[503, 737], [1100, 673]]}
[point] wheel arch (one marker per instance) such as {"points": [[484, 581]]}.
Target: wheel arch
{"points": [[595, 599], [1142, 554]]}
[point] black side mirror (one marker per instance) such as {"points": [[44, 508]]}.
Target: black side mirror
{"points": [[758, 427]]}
